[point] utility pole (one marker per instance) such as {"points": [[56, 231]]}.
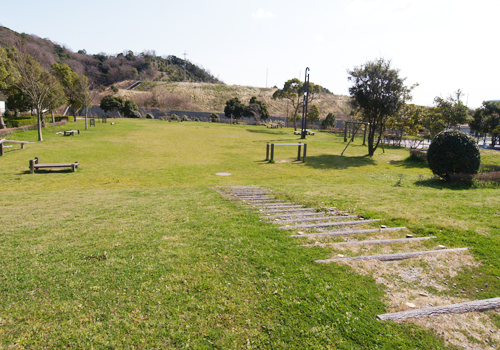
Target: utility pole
{"points": [[185, 65], [304, 105]]}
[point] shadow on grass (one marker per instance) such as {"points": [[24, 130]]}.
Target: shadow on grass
{"points": [[48, 171], [410, 163], [440, 184], [329, 161], [270, 131]]}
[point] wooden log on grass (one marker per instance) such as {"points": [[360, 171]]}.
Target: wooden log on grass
{"points": [[298, 210], [327, 224], [320, 218], [350, 232], [279, 206], [264, 200], [392, 257], [321, 213], [373, 241], [471, 306]]}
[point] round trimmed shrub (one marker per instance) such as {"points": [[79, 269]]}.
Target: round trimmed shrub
{"points": [[453, 152], [184, 118], [214, 118], [175, 117]]}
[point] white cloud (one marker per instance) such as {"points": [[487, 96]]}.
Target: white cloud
{"points": [[261, 14], [319, 38]]}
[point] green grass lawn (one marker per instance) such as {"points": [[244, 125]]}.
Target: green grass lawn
{"points": [[138, 250]]}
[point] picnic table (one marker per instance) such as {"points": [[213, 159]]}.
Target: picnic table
{"points": [[274, 125], [308, 132], [35, 164], [71, 132], [272, 145]]}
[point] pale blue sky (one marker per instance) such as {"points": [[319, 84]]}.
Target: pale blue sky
{"points": [[443, 45]]}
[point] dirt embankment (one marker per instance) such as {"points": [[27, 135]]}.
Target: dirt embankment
{"points": [[206, 97]]}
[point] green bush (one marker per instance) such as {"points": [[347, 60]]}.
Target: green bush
{"points": [[214, 118], [196, 119], [453, 152], [135, 114], [175, 117], [129, 107], [149, 116], [15, 120], [184, 118]]}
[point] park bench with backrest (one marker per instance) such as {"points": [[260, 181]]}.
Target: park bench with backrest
{"points": [[34, 165]]}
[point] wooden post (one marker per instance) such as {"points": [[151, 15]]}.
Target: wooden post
{"points": [[345, 131], [305, 150], [267, 152], [354, 131], [298, 154], [1, 149], [32, 166], [272, 151], [104, 120]]}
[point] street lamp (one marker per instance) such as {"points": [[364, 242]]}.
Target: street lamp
{"points": [[304, 105]]}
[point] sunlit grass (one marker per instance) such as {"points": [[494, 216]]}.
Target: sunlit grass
{"points": [[136, 249]]}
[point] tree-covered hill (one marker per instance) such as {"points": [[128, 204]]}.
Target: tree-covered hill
{"points": [[105, 69]]}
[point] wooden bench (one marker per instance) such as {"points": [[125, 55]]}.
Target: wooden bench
{"points": [[92, 122], [308, 132], [71, 132], [3, 141], [34, 164], [272, 145]]}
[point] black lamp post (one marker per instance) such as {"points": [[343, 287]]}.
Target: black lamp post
{"points": [[304, 105]]}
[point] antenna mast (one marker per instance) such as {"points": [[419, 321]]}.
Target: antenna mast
{"points": [[185, 65]]}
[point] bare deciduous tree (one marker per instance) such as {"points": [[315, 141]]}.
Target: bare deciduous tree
{"points": [[25, 74]]}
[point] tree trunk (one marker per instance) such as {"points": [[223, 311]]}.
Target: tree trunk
{"points": [[371, 137], [40, 117], [86, 126], [2, 123], [53, 118]]}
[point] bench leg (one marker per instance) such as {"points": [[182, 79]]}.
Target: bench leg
{"points": [[304, 156], [298, 154], [32, 166], [267, 152], [272, 151], [73, 167], [1, 149], [22, 145]]}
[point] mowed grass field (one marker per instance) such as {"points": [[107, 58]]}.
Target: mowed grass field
{"points": [[136, 249]]}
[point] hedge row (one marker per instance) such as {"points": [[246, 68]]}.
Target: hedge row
{"points": [[16, 122]]}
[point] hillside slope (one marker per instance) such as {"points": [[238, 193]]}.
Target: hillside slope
{"points": [[208, 97], [104, 69]]}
